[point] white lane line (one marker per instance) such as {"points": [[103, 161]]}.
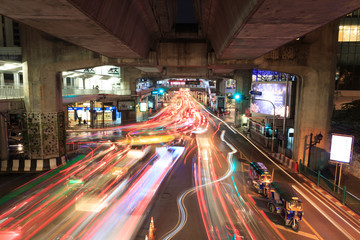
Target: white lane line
{"points": [[298, 183], [323, 213]]}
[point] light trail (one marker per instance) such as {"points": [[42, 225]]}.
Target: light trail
{"points": [[181, 205]]}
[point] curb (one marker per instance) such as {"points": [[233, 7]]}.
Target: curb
{"points": [[287, 162], [333, 199], [31, 165]]}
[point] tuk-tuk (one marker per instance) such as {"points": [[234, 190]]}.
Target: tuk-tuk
{"points": [[259, 177], [285, 201]]}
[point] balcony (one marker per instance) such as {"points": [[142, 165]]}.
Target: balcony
{"points": [[16, 92]]}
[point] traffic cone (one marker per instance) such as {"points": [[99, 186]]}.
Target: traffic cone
{"points": [[146, 237], [151, 234], [152, 223]]}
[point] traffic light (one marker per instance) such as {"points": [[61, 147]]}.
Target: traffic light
{"points": [[161, 91], [237, 96], [240, 97]]}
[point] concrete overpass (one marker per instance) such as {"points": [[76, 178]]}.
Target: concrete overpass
{"points": [[147, 34], [151, 38]]}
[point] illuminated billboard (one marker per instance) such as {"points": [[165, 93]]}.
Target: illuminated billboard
{"points": [[272, 92], [341, 148], [143, 107]]}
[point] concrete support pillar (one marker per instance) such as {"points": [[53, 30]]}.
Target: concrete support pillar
{"points": [[44, 59], [2, 81], [220, 87], [315, 103], [3, 138], [313, 59], [45, 136], [9, 32], [129, 79], [92, 114], [16, 80], [2, 42], [243, 86]]}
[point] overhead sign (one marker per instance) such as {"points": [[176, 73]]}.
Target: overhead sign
{"points": [[257, 93], [154, 92], [341, 148]]}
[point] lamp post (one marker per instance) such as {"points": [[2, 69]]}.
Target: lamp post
{"points": [[273, 131], [317, 140]]}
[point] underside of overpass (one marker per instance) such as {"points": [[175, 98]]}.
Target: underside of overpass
{"points": [[184, 38], [178, 38]]}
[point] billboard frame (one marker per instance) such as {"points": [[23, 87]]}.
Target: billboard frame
{"points": [[289, 102], [351, 149]]}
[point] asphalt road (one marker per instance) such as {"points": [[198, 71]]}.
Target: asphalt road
{"points": [[193, 189]]}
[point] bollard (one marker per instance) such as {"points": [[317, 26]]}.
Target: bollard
{"points": [[344, 195]]}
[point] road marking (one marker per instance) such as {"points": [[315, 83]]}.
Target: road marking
{"points": [[272, 225], [312, 229], [324, 214], [304, 234]]}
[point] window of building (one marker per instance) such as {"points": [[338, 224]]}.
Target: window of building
{"points": [[349, 33], [9, 78]]}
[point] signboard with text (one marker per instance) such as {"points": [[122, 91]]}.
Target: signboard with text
{"points": [[341, 148], [272, 92], [143, 107]]}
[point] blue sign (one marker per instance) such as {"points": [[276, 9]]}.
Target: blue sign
{"points": [[253, 92], [75, 108]]}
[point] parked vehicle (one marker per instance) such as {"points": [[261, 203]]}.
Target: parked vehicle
{"points": [[259, 177], [284, 200]]}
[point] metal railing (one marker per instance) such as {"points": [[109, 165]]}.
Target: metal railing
{"points": [[183, 86], [13, 92], [76, 91], [338, 192]]}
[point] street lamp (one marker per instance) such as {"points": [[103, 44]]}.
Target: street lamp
{"points": [[317, 140], [238, 97], [273, 131]]}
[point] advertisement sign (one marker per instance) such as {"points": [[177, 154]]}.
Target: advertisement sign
{"points": [[273, 92], [341, 148], [143, 107], [151, 102], [220, 100]]}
